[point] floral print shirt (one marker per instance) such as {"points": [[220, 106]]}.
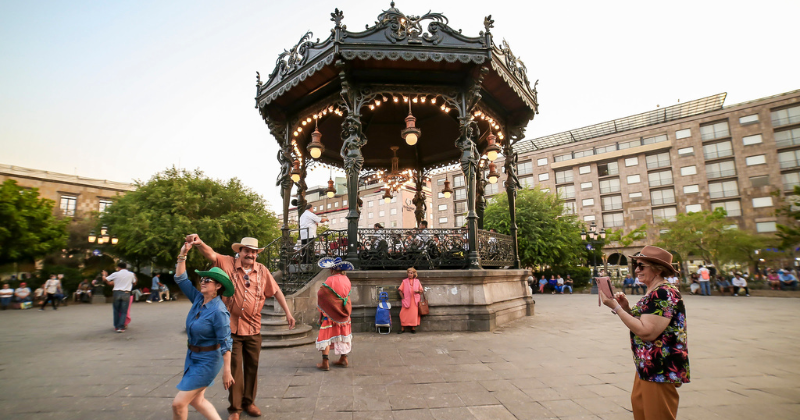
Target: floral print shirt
{"points": [[665, 359]]}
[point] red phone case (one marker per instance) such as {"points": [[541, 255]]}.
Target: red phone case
{"points": [[604, 284]]}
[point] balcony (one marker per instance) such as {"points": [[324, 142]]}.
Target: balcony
{"points": [[720, 174]]}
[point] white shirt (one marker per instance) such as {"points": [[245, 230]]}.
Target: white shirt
{"points": [[308, 225], [672, 280], [51, 286], [700, 273], [123, 280], [6, 292], [560, 281], [739, 282]]}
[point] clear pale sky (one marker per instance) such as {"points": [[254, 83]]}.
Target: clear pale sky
{"points": [[120, 90]]}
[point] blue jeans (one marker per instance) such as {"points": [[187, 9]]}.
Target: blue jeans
{"points": [[705, 288], [120, 305], [4, 302], [565, 287]]}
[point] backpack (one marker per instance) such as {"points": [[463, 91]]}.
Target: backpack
{"points": [[705, 274]]}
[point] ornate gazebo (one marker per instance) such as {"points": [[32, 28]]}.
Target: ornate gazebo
{"points": [[435, 97]]}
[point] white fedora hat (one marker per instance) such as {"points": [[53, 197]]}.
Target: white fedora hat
{"points": [[251, 243]]}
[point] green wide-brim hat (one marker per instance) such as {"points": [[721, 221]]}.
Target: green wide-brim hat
{"points": [[219, 276]]}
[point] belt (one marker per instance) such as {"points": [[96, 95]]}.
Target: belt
{"points": [[200, 349]]}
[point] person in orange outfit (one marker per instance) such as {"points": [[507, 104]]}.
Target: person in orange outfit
{"points": [[335, 307], [410, 290]]}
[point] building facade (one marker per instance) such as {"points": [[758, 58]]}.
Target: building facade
{"points": [[74, 196], [645, 168]]}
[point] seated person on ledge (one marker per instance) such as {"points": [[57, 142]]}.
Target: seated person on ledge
{"points": [[788, 280], [724, 285], [23, 293]]}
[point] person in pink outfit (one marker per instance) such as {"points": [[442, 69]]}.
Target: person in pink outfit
{"points": [[410, 291]]}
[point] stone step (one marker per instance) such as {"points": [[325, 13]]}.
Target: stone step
{"points": [[276, 344], [272, 315], [274, 324], [299, 331]]}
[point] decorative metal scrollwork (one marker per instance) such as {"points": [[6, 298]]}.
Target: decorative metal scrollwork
{"points": [[401, 27], [291, 60], [496, 250]]}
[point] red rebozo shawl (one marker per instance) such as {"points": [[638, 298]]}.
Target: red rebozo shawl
{"points": [[333, 298]]}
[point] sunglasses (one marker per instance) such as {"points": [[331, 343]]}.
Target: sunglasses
{"points": [[246, 281], [206, 280], [639, 265]]}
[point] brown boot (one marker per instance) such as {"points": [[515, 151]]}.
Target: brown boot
{"points": [[324, 365], [342, 361]]}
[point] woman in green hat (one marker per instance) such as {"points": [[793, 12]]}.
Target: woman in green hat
{"points": [[208, 328]]}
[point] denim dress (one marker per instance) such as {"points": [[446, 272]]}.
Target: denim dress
{"points": [[206, 325]]}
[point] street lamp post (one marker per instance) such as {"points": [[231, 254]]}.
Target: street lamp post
{"points": [[590, 239], [103, 237]]}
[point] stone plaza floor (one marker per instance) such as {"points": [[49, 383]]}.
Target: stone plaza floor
{"points": [[571, 360]]}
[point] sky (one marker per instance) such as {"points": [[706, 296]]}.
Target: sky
{"points": [[121, 90]]}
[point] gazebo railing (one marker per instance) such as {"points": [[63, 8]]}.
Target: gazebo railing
{"points": [[495, 249]]}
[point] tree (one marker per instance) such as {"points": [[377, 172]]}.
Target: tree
{"points": [[546, 235], [789, 233], [28, 228], [616, 235], [152, 221]]}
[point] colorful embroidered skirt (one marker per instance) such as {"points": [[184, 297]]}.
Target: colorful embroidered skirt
{"points": [[338, 335]]}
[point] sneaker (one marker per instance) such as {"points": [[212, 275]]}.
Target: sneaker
{"points": [[120, 330], [736, 294], [747, 294], [148, 301], [41, 310]]}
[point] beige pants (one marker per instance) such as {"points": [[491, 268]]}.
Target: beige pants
{"points": [[654, 400]]}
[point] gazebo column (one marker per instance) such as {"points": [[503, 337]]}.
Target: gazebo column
{"points": [[480, 198], [301, 189], [512, 184], [420, 208], [285, 182]]}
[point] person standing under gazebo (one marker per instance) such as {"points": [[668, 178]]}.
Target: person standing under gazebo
{"points": [[335, 307], [410, 290]]}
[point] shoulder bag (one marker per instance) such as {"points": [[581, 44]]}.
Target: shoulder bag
{"points": [[423, 304]]}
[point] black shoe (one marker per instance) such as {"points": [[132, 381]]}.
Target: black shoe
{"points": [[401, 331], [413, 331]]}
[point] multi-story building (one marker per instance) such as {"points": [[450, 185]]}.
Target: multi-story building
{"points": [[645, 168], [74, 195]]}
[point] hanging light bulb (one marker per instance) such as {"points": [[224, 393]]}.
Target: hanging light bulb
{"points": [[414, 100], [371, 107], [92, 237], [433, 101], [114, 240], [411, 133], [296, 171], [493, 174], [447, 191], [492, 149], [387, 195], [396, 99], [331, 191], [423, 99], [316, 148]]}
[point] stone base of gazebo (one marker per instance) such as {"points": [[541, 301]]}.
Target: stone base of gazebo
{"points": [[459, 300]]}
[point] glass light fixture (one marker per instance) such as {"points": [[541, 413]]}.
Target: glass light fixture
{"points": [[447, 191], [411, 133], [296, 171], [492, 149], [315, 148], [331, 191], [493, 174], [114, 240], [92, 237], [387, 196]]}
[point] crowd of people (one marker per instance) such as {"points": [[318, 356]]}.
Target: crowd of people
{"points": [[555, 285]]}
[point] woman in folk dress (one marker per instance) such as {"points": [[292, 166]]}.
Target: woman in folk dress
{"points": [[333, 302], [410, 290]]}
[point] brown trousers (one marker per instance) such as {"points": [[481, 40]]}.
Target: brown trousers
{"points": [[654, 400], [244, 369]]}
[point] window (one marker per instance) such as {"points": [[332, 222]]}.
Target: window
{"points": [[561, 176], [461, 207], [545, 190], [440, 194], [525, 168], [394, 200], [461, 194], [717, 150], [442, 207], [381, 213], [336, 205], [638, 214], [759, 202], [689, 170], [691, 189], [541, 161], [342, 220], [635, 196], [584, 170], [607, 168], [442, 220], [720, 169], [682, 134], [787, 138], [392, 212], [657, 161], [664, 213], [661, 197], [370, 203], [755, 160], [68, 205], [763, 227], [344, 202], [569, 207], [545, 176], [634, 179], [492, 189], [790, 180], [329, 205], [750, 140], [612, 202], [588, 218], [629, 144], [526, 182], [789, 159], [587, 202], [686, 151], [459, 221], [759, 181], [566, 191], [656, 139], [605, 149], [632, 161], [440, 181], [609, 185], [693, 208], [659, 178], [786, 116], [381, 202], [749, 119], [393, 223], [613, 220], [370, 215], [733, 208], [723, 189], [561, 158], [104, 205], [458, 181], [586, 185], [583, 153], [714, 131]]}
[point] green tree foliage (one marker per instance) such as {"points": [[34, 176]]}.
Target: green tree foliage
{"points": [[546, 235], [152, 221], [789, 233], [28, 228], [626, 239]]}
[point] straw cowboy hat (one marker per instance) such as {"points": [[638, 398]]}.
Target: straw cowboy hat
{"points": [[251, 243], [219, 276], [655, 255]]}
